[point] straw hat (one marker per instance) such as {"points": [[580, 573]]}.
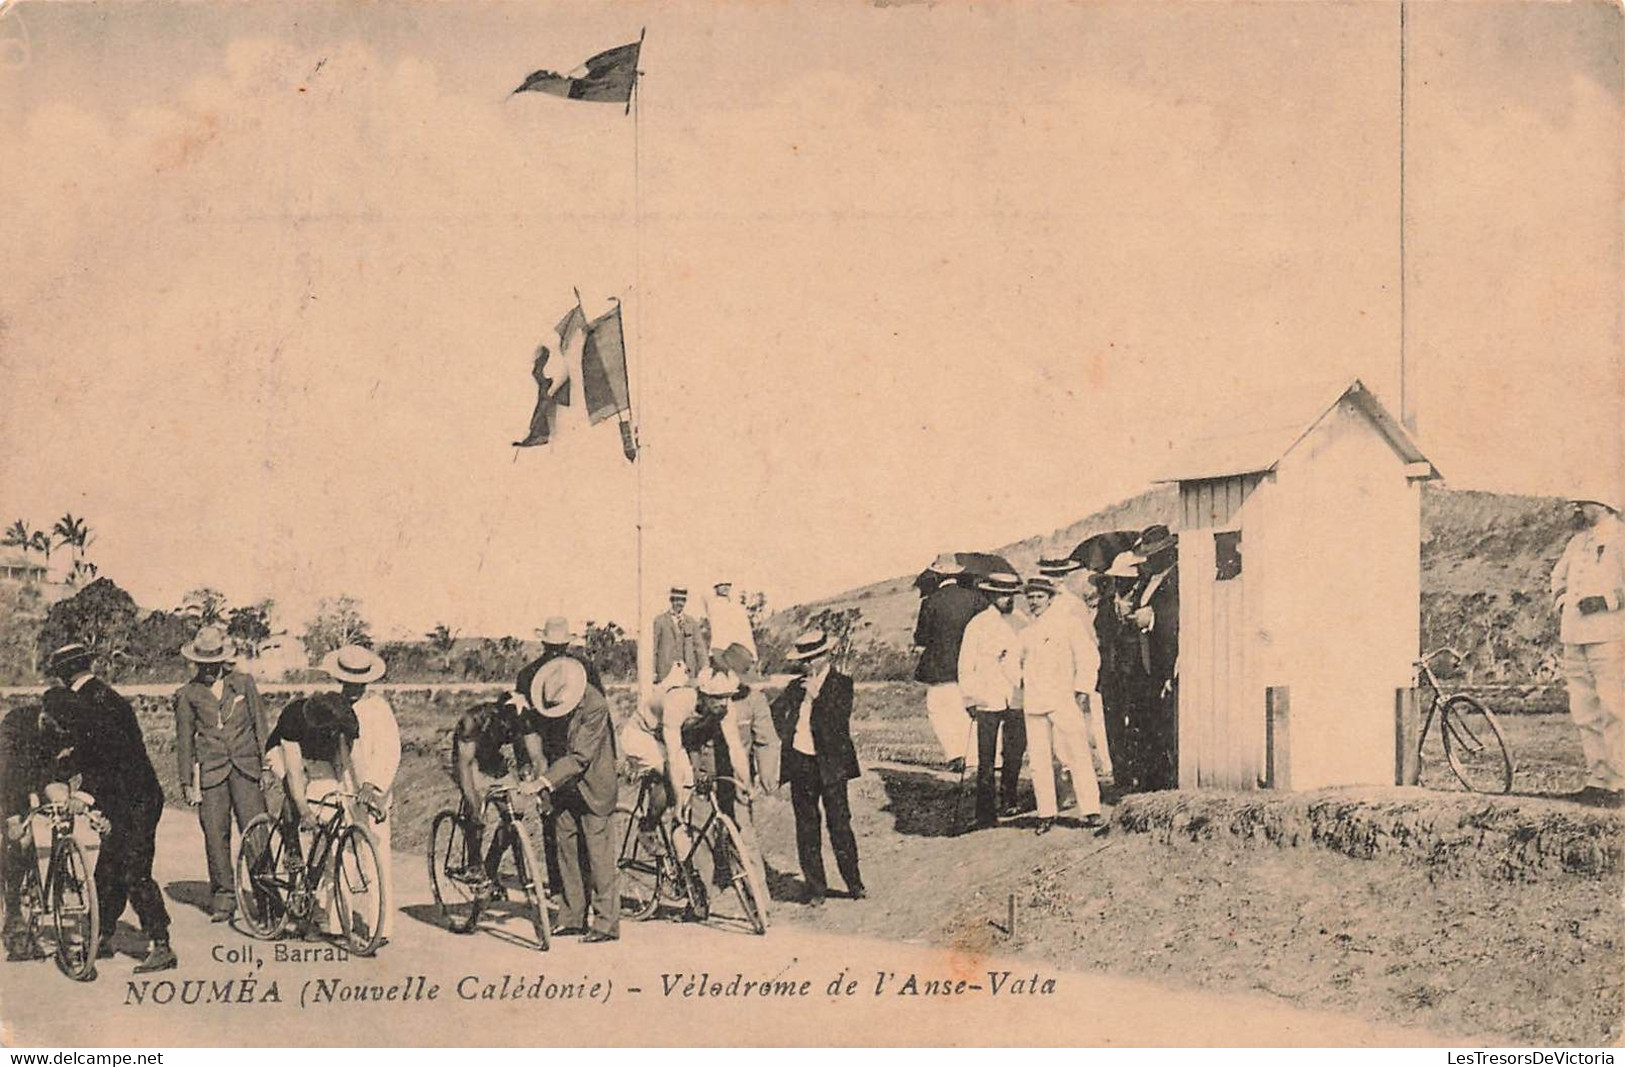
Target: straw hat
{"points": [[67, 656], [353, 663], [1153, 539], [556, 631], [1126, 565], [945, 563], [1003, 584], [1058, 567], [209, 646], [1041, 584], [721, 685], [558, 687], [810, 645]]}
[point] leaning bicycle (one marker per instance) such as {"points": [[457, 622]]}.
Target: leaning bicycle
{"points": [[280, 884], [1474, 745], [465, 881], [62, 909], [655, 868]]}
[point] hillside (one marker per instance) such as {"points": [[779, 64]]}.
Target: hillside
{"points": [[1485, 561]]}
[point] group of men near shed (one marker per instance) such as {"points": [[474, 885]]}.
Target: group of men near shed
{"points": [[1088, 673]]}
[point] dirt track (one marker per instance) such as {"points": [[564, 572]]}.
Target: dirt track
{"points": [[41, 1008]]}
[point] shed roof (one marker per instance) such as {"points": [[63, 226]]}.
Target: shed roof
{"points": [[1260, 443], [20, 563]]}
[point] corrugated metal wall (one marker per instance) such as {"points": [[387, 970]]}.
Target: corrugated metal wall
{"points": [[1220, 731]]}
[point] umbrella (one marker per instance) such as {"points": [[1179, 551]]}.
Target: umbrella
{"points": [[1096, 553], [976, 564]]}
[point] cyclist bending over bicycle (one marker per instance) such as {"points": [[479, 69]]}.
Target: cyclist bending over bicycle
{"points": [[497, 743], [652, 741]]}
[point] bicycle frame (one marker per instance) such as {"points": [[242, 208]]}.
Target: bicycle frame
{"points": [[323, 838]]}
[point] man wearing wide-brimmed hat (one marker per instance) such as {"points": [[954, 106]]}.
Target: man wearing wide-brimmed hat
{"points": [[104, 744], [583, 787], [813, 716], [558, 639], [990, 679], [940, 628], [220, 738], [376, 755], [677, 638], [1588, 594]]}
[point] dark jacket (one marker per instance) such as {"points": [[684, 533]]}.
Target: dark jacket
{"points": [[941, 627], [218, 735], [587, 767], [831, 727], [25, 766], [106, 746], [1162, 643], [677, 640]]}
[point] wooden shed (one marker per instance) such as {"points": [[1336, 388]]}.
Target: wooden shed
{"points": [[1300, 594]]}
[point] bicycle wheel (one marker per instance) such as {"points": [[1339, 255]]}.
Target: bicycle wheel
{"points": [[31, 903], [358, 890], [640, 872], [73, 910], [1475, 746], [524, 876], [264, 877], [742, 874], [457, 884]]}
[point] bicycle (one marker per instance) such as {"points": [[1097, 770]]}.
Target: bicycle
{"points": [[278, 886], [1474, 745], [68, 894], [652, 870], [464, 882]]}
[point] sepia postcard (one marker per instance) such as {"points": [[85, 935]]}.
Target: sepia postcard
{"points": [[908, 523]]}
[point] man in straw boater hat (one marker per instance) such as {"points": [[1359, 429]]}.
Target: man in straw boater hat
{"points": [[376, 755], [1059, 669], [582, 787], [1588, 594], [990, 679], [103, 744], [1076, 595], [220, 736], [813, 716], [1125, 672], [677, 638], [1156, 615], [944, 614]]}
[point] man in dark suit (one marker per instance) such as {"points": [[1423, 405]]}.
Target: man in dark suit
{"points": [[1156, 615], [107, 750], [812, 717], [220, 737], [556, 641], [583, 788], [944, 614], [677, 638]]}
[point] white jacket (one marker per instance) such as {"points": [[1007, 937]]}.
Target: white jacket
{"points": [[730, 625], [990, 662], [1592, 565], [1059, 660], [377, 752]]}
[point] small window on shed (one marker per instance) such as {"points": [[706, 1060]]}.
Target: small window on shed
{"points": [[1226, 555]]}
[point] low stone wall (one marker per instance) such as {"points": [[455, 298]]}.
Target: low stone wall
{"points": [[1505, 838]]}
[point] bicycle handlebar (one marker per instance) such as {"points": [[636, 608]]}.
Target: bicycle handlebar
{"points": [[1429, 657], [327, 801]]}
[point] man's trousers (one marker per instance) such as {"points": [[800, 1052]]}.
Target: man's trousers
{"points": [[945, 708], [237, 794], [808, 791], [1595, 674], [1061, 731], [584, 841], [124, 867], [1013, 723]]}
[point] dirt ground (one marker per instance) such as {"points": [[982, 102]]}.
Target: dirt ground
{"points": [[1522, 963]]}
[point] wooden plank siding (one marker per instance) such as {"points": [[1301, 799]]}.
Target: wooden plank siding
{"points": [[1220, 732]]}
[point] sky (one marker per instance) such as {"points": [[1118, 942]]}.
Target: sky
{"points": [[898, 279]]}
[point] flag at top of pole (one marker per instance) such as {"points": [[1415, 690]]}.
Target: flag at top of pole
{"points": [[608, 78]]}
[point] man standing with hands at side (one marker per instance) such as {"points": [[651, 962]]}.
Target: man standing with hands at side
{"points": [[220, 755], [944, 614], [677, 638], [1588, 594], [813, 717]]}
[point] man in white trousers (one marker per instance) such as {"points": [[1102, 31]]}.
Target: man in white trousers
{"points": [[1060, 667], [1075, 592], [944, 614], [1588, 594]]}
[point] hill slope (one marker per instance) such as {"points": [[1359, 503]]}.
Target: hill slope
{"points": [[1485, 561]]}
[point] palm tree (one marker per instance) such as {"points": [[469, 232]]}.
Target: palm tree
{"points": [[73, 532], [41, 542], [205, 606], [443, 639], [18, 535]]}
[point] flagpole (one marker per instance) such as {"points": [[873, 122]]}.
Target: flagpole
{"points": [[645, 661]]}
